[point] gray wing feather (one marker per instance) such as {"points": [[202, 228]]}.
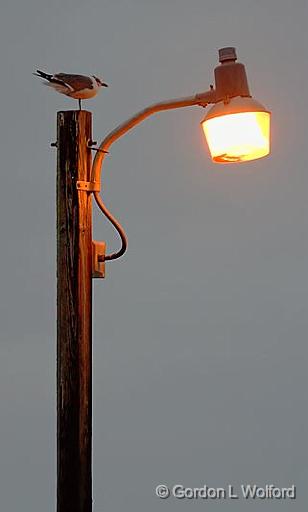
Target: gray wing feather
{"points": [[74, 82]]}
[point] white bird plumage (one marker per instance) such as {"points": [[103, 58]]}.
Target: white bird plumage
{"points": [[80, 87]]}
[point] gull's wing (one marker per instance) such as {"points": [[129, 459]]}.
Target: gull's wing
{"points": [[74, 82]]}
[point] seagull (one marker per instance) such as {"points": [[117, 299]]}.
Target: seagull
{"points": [[80, 87]]}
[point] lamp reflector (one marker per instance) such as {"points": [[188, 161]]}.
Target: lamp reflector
{"points": [[238, 131]]}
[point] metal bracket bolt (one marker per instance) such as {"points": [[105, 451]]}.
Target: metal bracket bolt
{"points": [[88, 186]]}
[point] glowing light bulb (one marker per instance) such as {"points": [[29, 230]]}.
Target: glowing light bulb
{"points": [[238, 131]]}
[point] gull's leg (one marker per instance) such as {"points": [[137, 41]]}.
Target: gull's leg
{"points": [[79, 101]]}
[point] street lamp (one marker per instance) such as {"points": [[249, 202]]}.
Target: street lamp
{"points": [[237, 129]]}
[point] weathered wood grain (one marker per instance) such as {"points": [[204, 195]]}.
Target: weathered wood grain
{"points": [[74, 314]]}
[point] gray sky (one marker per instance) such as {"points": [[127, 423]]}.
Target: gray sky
{"points": [[200, 332]]}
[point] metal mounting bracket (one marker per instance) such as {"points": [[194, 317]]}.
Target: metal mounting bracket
{"points": [[88, 186], [98, 259]]}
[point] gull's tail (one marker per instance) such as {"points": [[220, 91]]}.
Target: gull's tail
{"points": [[42, 74]]}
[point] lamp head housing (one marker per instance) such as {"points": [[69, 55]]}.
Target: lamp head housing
{"points": [[230, 76], [237, 127]]}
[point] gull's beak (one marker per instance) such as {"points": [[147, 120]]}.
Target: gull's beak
{"points": [[104, 85]]}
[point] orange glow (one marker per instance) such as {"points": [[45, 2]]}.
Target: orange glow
{"points": [[238, 137]]}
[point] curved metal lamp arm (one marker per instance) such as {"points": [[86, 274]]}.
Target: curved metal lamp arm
{"points": [[202, 99]]}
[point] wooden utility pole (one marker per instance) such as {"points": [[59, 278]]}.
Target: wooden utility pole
{"points": [[74, 314]]}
